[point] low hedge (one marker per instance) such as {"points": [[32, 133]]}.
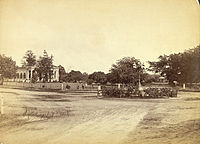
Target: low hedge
{"points": [[160, 92], [119, 93], [130, 92]]}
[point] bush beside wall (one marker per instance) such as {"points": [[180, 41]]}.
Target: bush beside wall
{"points": [[131, 92]]}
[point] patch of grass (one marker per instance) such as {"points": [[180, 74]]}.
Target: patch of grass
{"points": [[51, 98], [42, 113], [10, 121], [151, 119]]}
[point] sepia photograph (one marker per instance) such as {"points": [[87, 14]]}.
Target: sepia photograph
{"points": [[99, 71]]}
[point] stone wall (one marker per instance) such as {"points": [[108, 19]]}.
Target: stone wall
{"points": [[53, 86]]}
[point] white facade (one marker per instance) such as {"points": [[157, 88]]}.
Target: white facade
{"points": [[55, 76], [25, 74]]}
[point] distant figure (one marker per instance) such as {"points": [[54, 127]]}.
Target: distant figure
{"points": [[83, 87], [99, 90], [78, 87]]}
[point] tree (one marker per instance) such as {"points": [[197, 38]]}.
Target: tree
{"points": [[182, 67], [169, 66], [29, 59], [126, 70], [34, 77], [190, 62], [98, 77], [74, 76], [8, 67], [44, 67], [149, 78], [85, 77], [62, 73], [160, 66]]}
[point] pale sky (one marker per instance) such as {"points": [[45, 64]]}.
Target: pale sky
{"points": [[90, 35]]}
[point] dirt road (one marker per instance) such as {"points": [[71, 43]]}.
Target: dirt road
{"points": [[48, 118]]}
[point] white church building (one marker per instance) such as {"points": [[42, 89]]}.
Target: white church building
{"points": [[25, 74]]}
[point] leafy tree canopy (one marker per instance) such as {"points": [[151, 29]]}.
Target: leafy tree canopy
{"points": [[74, 76], [29, 59], [182, 67], [126, 70], [8, 67], [45, 66], [98, 77], [62, 73]]}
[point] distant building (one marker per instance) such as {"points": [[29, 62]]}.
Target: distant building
{"points": [[25, 74]]}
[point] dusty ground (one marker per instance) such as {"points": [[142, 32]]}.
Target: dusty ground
{"points": [[33, 117]]}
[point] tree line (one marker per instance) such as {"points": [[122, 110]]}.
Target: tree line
{"points": [[180, 68]]}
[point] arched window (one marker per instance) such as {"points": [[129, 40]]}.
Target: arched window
{"points": [[20, 75], [29, 72], [17, 76], [24, 75], [54, 74]]}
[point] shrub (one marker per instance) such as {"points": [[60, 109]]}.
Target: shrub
{"points": [[67, 86], [131, 91], [112, 92], [160, 92]]}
